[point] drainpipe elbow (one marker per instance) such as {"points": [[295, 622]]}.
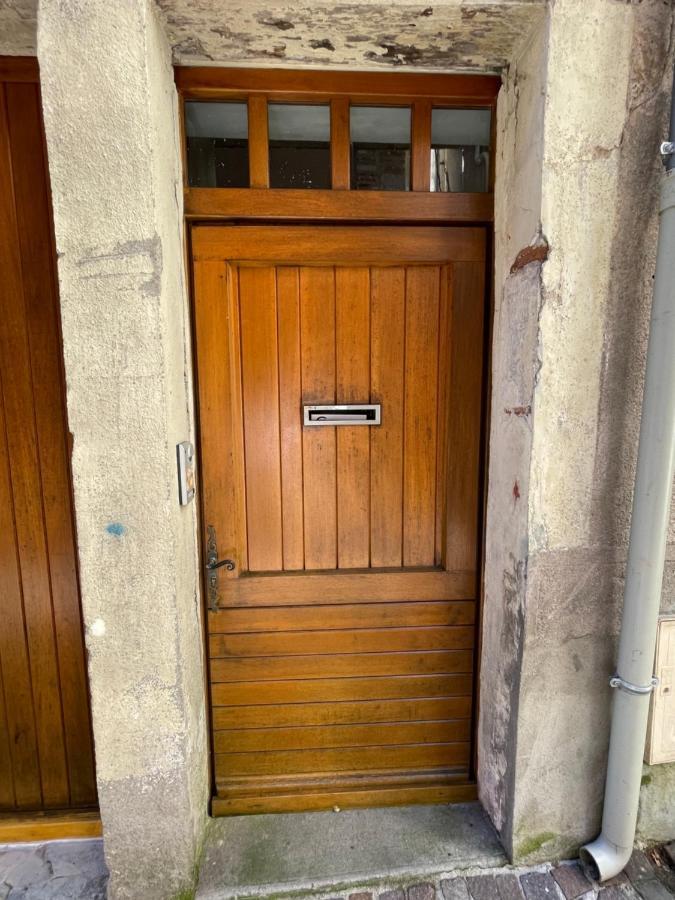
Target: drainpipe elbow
{"points": [[603, 859]]}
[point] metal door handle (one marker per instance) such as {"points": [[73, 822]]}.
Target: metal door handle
{"points": [[217, 563], [347, 414]]}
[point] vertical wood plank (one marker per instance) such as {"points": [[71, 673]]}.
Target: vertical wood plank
{"points": [[290, 415], [258, 142], [317, 316], [444, 338], [421, 145], [352, 328], [260, 382], [219, 384], [27, 493], [421, 411], [466, 387], [7, 797], [387, 330], [35, 240], [340, 143], [16, 675]]}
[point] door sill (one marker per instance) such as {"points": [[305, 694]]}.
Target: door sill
{"points": [[49, 826]]}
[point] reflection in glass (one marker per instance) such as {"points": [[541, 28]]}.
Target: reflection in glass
{"points": [[380, 139], [217, 144], [460, 150], [299, 139]]}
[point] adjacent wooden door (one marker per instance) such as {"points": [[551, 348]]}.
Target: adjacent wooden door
{"points": [[46, 753], [341, 642]]}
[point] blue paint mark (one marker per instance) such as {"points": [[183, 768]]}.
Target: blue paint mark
{"points": [[116, 528]]}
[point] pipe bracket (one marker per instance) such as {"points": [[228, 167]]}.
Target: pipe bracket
{"points": [[666, 149], [616, 681]]}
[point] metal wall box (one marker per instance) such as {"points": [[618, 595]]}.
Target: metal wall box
{"points": [[661, 732], [350, 414]]}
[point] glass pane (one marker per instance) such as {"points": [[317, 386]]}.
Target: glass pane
{"points": [[299, 146], [217, 144], [380, 137], [460, 150]]}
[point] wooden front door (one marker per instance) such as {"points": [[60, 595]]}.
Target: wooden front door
{"points": [[46, 752], [342, 638]]}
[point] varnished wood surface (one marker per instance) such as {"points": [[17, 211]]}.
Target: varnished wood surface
{"points": [[49, 826], [208, 82], [327, 246], [46, 753], [292, 204], [344, 643]]}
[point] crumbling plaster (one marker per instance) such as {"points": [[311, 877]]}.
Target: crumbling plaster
{"points": [[555, 552], [480, 35], [117, 201]]}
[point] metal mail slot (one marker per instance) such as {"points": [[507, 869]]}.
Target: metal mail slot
{"points": [[353, 414]]}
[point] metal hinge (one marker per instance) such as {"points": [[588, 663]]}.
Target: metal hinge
{"points": [[212, 566]]}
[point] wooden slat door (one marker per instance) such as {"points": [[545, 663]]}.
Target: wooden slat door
{"points": [[46, 752], [341, 654]]}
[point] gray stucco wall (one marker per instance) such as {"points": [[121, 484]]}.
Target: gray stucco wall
{"points": [[111, 122], [557, 543]]}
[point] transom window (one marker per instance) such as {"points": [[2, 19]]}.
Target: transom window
{"points": [[375, 141]]}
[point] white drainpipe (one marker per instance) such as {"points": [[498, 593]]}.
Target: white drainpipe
{"points": [[608, 854]]}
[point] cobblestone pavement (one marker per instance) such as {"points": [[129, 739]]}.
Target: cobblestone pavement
{"points": [[649, 876], [56, 870], [75, 870]]}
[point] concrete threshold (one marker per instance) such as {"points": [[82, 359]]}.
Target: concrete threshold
{"points": [[320, 852]]}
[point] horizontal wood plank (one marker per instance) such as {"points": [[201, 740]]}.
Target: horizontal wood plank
{"points": [[344, 799], [347, 665], [296, 643], [344, 713], [333, 586], [325, 689], [49, 826], [292, 205], [331, 736], [342, 759], [212, 82], [336, 244], [366, 615]]}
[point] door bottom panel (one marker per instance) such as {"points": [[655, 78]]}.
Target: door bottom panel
{"points": [[355, 791]]}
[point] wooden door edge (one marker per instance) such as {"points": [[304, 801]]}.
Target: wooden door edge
{"points": [[18, 828]]}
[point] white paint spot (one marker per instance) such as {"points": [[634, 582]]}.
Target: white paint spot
{"points": [[97, 628]]}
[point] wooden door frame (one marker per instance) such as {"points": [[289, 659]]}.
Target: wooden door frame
{"points": [[340, 205]]}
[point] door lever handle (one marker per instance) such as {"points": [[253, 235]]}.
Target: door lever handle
{"points": [[212, 565], [217, 563]]}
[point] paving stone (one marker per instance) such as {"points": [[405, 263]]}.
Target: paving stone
{"points": [[509, 887], [539, 886], [21, 868], [423, 891], [622, 891], [454, 889], [653, 890], [639, 867], [397, 894], [483, 887], [572, 881]]}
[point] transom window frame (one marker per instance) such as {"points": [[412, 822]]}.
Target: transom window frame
{"points": [[340, 90]]}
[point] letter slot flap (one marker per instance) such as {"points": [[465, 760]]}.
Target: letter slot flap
{"points": [[352, 414]]}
